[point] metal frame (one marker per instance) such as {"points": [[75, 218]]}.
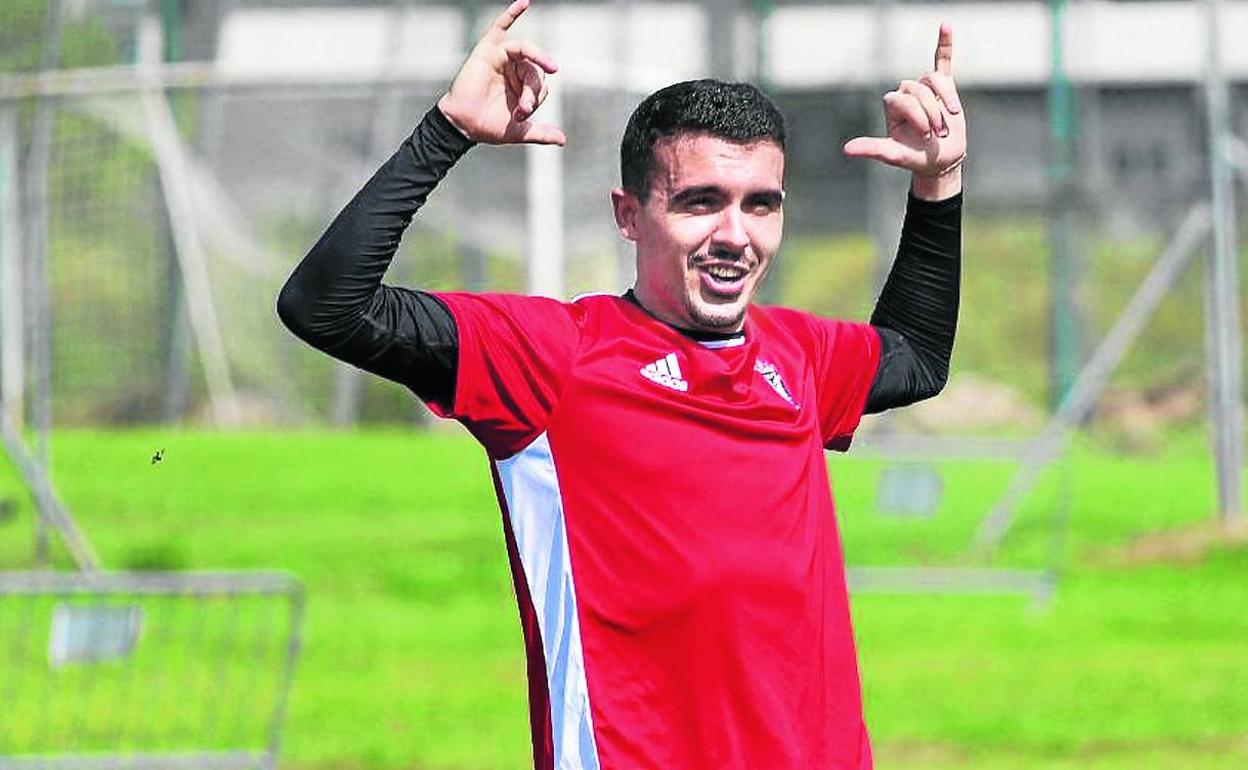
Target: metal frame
{"points": [[51, 511], [1033, 455], [238, 760], [1091, 380], [1039, 584], [33, 463], [191, 585]]}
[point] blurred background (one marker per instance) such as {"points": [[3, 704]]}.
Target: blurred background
{"points": [[1063, 525]]}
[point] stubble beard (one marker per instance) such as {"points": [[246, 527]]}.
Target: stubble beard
{"points": [[713, 317], [724, 317]]}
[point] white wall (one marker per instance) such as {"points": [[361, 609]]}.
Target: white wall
{"points": [[997, 44]]}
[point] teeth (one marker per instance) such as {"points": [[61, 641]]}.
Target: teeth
{"points": [[725, 273]]}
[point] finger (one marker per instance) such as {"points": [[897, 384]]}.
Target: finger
{"points": [[513, 82], [944, 50], [541, 133], [532, 90], [504, 20], [875, 148], [523, 50], [944, 88], [904, 108], [929, 103]]}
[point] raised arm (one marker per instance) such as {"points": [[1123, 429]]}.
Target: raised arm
{"points": [[335, 300], [917, 311]]}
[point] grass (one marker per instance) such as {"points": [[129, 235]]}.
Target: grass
{"points": [[412, 656]]}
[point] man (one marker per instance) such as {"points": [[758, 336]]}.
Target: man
{"points": [[659, 456]]}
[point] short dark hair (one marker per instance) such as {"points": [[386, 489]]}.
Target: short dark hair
{"points": [[738, 112]]}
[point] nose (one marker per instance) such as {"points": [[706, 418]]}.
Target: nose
{"points": [[729, 233]]}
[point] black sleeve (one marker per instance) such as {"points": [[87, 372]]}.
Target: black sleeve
{"points": [[335, 301], [917, 311]]}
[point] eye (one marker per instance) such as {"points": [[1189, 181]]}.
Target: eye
{"points": [[702, 203], [763, 206]]}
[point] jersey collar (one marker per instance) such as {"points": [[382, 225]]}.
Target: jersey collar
{"points": [[713, 340]]}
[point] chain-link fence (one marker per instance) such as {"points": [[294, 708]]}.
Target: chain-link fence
{"points": [[152, 218], [164, 164]]}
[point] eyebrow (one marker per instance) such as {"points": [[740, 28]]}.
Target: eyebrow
{"points": [[693, 192], [771, 197]]}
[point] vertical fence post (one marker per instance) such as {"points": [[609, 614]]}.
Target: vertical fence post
{"points": [[886, 186], [384, 132], [545, 207], [622, 103], [1065, 260], [39, 254], [1225, 346], [12, 331]]}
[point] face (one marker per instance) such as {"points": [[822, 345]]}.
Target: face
{"points": [[708, 231]]}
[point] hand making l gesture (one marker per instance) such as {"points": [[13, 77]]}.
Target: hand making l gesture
{"points": [[926, 128], [500, 86]]}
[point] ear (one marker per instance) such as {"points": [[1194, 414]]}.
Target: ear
{"points": [[625, 205]]}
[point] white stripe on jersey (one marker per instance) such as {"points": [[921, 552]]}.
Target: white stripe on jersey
{"points": [[531, 488]]}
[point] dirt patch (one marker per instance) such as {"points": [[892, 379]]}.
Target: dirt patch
{"points": [[1185, 752], [970, 404], [918, 754], [1214, 745], [1188, 546], [1137, 420]]}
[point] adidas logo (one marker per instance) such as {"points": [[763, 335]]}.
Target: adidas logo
{"points": [[666, 372]]}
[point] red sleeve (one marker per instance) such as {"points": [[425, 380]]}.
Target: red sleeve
{"points": [[514, 356], [844, 357]]}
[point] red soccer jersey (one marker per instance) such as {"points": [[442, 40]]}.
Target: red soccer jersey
{"points": [[670, 528]]}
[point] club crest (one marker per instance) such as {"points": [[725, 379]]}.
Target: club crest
{"points": [[773, 378]]}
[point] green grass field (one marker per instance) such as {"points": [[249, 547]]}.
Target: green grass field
{"points": [[412, 653]]}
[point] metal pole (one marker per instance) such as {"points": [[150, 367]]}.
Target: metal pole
{"points": [[1064, 262], [1091, 380], [39, 255], [886, 186], [759, 73], [53, 514], [383, 132], [177, 332], [545, 204], [762, 44], [12, 327], [544, 197], [1225, 346], [173, 167], [474, 263], [721, 38], [623, 102]]}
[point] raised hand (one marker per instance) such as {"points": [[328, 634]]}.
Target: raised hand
{"points": [[500, 86], [926, 126]]}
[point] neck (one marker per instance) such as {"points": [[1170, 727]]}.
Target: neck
{"points": [[701, 335]]}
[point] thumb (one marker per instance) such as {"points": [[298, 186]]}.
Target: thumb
{"points": [[541, 133], [870, 147]]}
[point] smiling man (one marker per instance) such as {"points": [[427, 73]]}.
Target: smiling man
{"points": [[658, 456], [702, 199]]}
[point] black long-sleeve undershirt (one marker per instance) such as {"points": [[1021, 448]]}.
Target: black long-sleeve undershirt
{"points": [[917, 311], [335, 300]]}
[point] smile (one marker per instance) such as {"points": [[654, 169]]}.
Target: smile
{"points": [[723, 279]]}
